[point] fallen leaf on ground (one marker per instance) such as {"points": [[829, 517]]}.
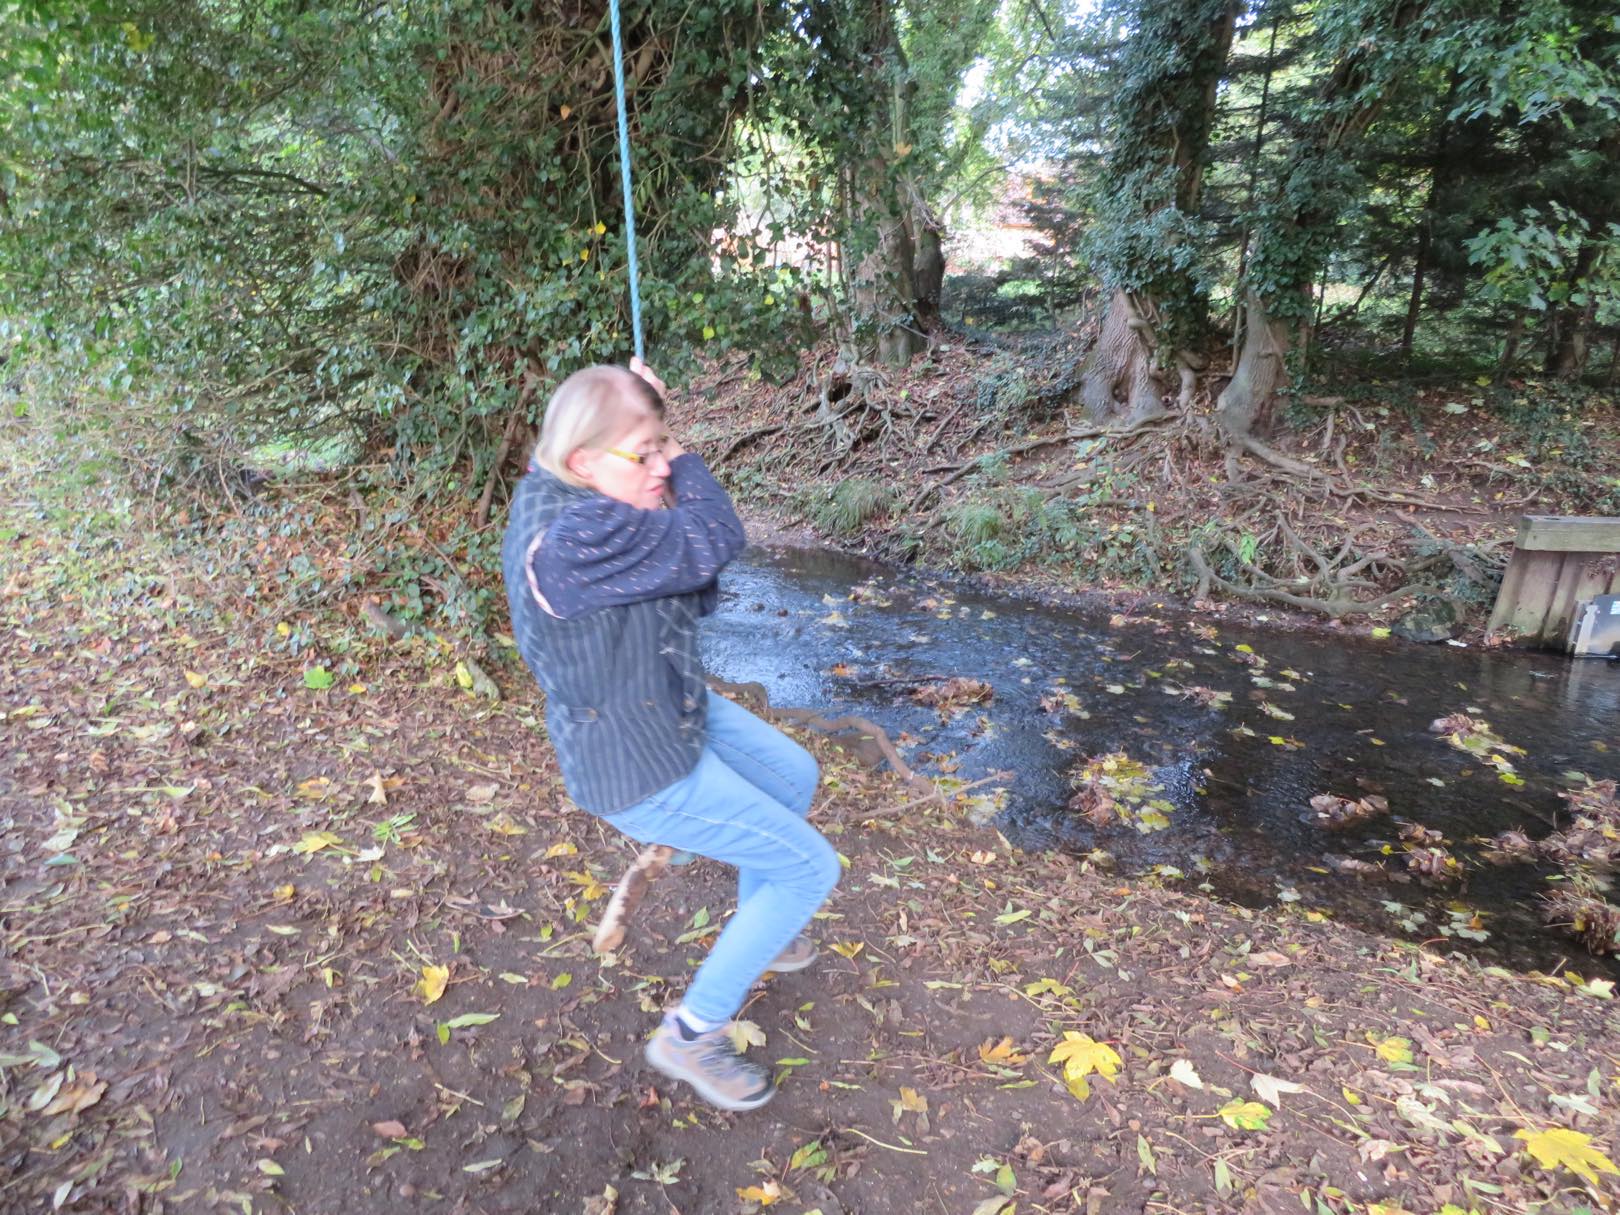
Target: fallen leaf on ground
{"points": [[1243, 1115], [432, 983], [1558, 1147], [1270, 1088]]}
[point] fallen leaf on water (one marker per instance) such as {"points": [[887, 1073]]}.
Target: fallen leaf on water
{"points": [[432, 983], [1558, 1147]]}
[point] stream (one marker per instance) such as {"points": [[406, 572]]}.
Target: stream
{"points": [[1308, 713]]}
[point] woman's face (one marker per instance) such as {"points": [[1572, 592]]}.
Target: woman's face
{"points": [[631, 468]]}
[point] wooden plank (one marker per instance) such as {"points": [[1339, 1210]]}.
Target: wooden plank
{"points": [[1509, 593], [1528, 610], [1574, 585], [1566, 534]]}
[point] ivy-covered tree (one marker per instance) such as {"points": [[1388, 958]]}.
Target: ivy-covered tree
{"points": [[1148, 243], [403, 222]]}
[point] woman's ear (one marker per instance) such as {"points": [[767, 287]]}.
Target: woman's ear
{"points": [[579, 463]]}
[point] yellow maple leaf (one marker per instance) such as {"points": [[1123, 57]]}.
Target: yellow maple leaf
{"points": [[590, 887], [847, 949], [1002, 1053], [762, 1194], [314, 841], [1569, 1149], [432, 983], [563, 849], [1081, 1055], [1395, 1050]]}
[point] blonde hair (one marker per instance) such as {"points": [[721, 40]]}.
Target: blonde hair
{"points": [[589, 408]]}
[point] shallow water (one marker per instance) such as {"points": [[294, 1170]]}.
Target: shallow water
{"points": [[1239, 778]]}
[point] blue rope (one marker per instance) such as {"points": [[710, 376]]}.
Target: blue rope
{"points": [[624, 176]]}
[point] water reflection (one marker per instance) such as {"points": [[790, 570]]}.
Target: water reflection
{"points": [[1307, 714]]}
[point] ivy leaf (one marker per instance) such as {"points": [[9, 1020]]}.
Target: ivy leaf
{"points": [[1572, 1150]]}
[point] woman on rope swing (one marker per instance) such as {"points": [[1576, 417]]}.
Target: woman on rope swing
{"points": [[616, 539]]}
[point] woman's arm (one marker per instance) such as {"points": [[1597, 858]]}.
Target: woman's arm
{"points": [[604, 552]]}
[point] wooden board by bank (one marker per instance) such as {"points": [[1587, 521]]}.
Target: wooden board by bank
{"points": [[1558, 564]]}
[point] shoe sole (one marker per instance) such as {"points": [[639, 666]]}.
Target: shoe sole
{"points": [[714, 1097], [788, 968]]}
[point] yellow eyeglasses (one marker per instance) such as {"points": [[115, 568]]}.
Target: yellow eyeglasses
{"points": [[632, 456]]}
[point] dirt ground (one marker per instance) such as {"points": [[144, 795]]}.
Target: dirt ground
{"points": [[232, 867]]}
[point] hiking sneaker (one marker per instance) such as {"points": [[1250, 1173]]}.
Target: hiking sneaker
{"points": [[800, 952], [710, 1064]]}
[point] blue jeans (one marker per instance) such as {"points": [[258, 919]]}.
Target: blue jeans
{"points": [[744, 804]]}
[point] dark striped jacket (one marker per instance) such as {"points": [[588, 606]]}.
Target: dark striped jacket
{"points": [[626, 705]]}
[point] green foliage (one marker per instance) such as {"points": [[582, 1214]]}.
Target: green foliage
{"points": [[1541, 262], [975, 522], [852, 504], [296, 221]]}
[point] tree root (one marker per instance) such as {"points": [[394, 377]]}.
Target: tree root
{"points": [[1336, 608]]}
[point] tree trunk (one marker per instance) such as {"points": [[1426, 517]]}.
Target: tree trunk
{"points": [[1567, 347], [1119, 380], [1244, 406], [927, 240], [1309, 197], [885, 287], [1510, 346], [1420, 260]]}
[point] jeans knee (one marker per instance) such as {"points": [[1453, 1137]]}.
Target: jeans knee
{"points": [[826, 869], [804, 776]]}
